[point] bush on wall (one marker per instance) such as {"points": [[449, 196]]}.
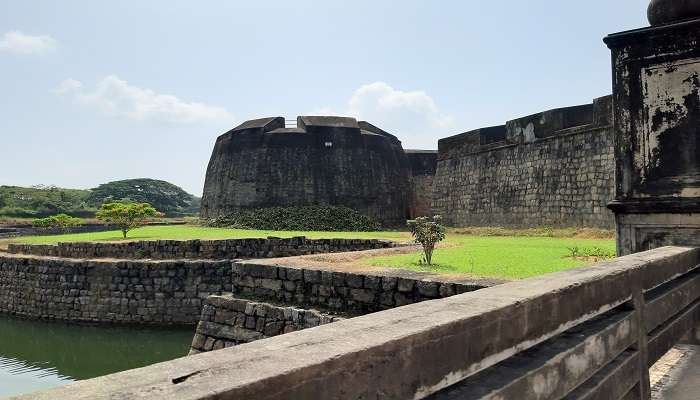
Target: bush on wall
{"points": [[309, 218]]}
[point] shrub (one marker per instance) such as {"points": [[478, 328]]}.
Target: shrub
{"points": [[60, 221], [126, 216], [594, 252], [428, 233], [309, 218]]}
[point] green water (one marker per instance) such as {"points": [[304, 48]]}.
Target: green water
{"points": [[37, 355]]}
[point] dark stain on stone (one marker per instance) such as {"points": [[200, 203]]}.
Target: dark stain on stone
{"points": [[677, 153], [183, 378]]}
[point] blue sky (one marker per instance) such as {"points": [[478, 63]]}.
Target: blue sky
{"points": [[94, 91]]}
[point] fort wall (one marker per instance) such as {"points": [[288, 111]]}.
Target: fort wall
{"points": [[554, 168], [339, 291], [167, 292], [323, 161], [423, 164], [108, 291]]}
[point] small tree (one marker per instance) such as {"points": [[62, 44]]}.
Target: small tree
{"points": [[126, 216], [428, 233], [59, 221]]}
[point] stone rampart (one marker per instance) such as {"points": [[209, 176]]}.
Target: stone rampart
{"points": [[227, 321], [174, 291], [336, 290], [138, 292], [200, 249], [549, 169], [323, 161], [423, 164]]}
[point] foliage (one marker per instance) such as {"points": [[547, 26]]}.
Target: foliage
{"points": [[164, 196], [126, 216], [311, 218], [59, 221], [43, 201], [592, 252], [428, 233], [581, 233]]}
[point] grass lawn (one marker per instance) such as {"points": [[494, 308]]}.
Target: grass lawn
{"points": [[474, 252], [185, 232], [501, 257]]}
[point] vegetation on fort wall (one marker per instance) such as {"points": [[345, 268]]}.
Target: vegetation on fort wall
{"points": [[311, 218]]}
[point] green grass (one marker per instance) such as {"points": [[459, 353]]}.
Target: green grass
{"points": [[507, 257], [185, 232], [500, 257]]}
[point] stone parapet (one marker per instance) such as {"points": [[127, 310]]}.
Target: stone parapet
{"points": [[200, 249]]}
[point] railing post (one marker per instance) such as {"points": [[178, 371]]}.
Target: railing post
{"points": [[643, 389]]}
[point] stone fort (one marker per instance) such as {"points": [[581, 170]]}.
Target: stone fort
{"points": [[553, 168], [587, 333]]}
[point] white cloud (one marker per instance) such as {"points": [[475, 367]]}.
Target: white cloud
{"points": [[413, 116], [18, 42], [116, 97], [68, 86]]}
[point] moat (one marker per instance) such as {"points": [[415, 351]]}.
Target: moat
{"points": [[37, 355]]}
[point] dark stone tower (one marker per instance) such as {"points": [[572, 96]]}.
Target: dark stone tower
{"points": [[656, 85], [323, 161]]}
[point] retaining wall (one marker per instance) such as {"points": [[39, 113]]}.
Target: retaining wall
{"points": [[173, 291], [336, 290], [142, 292], [200, 249], [227, 321]]}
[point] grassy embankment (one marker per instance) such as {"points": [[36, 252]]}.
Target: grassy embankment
{"points": [[480, 252]]}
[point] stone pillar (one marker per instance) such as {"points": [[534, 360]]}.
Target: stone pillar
{"points": [[656, 86]]}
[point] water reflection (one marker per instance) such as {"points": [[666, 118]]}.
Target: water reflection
{"points": [[36, 355]]}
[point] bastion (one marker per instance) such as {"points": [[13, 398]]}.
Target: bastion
{"points": [[334, 161]]}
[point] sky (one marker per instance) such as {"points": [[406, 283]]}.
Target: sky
{"points": [[96, 91]]}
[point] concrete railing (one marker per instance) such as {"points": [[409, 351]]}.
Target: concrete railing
{"points": [[589, 333]]}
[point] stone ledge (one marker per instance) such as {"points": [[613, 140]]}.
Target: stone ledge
{"points": [[228, 321], [200, 249]]}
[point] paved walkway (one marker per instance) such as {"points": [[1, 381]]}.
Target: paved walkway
{"points": [[677, 375]]}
